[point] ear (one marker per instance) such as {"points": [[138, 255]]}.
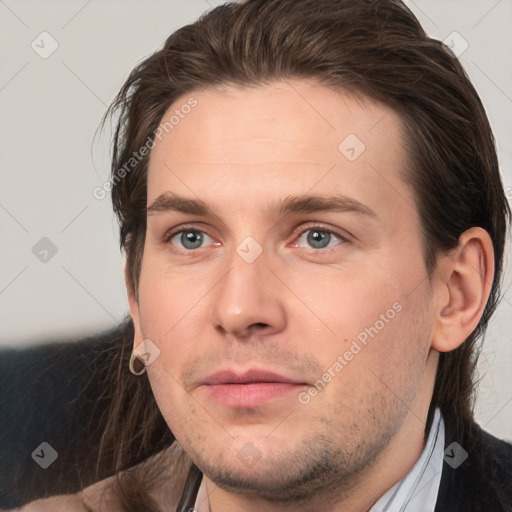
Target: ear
{"points": [[462, 284], [134, 307]]}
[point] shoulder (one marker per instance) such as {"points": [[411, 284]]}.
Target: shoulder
{"points": [[496, 459], [481, 481], [494, 456], [97, 497], [502, 448], [71, 503], [159, 480]]}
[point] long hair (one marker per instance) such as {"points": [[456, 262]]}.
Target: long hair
{"points": [[372, 47]]}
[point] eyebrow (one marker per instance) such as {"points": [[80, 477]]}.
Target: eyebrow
{"points": [[168, 202]]}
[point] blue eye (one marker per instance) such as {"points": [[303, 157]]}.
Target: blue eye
{"points": [[315, 237], [319, 238], [190, 239]]}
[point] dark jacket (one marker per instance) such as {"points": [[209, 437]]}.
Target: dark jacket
{"points": [[483, 482]]}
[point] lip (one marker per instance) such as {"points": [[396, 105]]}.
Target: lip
{"points": [[252, 388], [248, 377]]}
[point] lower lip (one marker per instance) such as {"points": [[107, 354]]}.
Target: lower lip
{"points": [[251, 395]]}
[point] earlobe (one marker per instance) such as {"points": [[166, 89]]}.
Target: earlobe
{"points": [[463, 285]]}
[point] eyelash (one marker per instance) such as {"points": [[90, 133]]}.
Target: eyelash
{"points": [[184, 229]]}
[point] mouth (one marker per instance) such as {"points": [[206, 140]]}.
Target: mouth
{"points": [[252, 388]]}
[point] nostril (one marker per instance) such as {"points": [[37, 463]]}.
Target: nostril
{"points": [[260, 324]]}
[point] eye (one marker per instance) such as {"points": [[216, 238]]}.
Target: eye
{"points": [[320, 238], [189, 239]]}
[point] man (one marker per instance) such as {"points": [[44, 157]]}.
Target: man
{"points": [[313, 249]]}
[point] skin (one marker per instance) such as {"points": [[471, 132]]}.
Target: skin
{"points": [[297, 306]]}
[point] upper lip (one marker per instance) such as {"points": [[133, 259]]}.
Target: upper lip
{"points": [[247, 377]]}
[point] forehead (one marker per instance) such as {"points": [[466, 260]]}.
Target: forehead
{"points": [[294, 136]]}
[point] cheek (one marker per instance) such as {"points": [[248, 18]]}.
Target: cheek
{"points": [[166, 319], [171, 399], [380, 367], [168, 298], [378, 330], [397, 345], [348, 304]]}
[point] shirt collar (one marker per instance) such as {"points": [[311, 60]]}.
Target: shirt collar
{"points": [[417, 491]]}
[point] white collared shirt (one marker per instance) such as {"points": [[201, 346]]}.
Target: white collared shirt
{"points": [[416, 492]]}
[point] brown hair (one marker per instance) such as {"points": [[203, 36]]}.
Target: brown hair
{"points": [[374, 47]]}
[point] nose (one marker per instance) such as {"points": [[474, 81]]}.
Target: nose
{"points": [[247, 300]]}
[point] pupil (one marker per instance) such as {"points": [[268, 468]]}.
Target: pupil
{"points": [[317, 239], [191, 239]]}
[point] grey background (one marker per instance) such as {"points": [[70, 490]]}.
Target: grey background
{"points": [[52, 159]]}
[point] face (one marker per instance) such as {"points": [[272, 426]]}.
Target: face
{"points": [[284, 286]]}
